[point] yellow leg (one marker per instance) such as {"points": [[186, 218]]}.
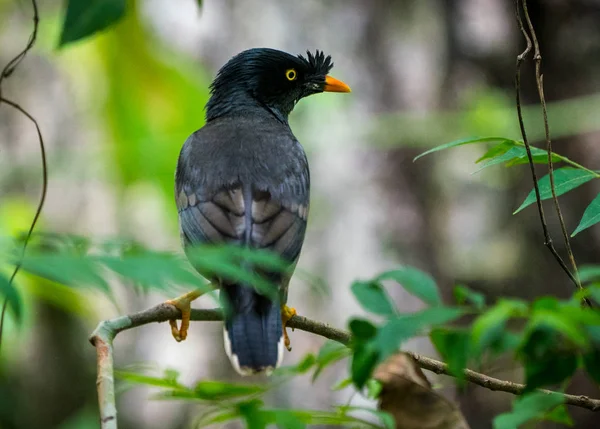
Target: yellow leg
{"points": [[184, 304], [286, 314]]}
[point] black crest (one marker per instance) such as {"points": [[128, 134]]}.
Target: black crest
{"points": [[318, 63]]}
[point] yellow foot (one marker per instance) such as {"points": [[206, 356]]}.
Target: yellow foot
{"points": [[184, 304], [286, 314]]}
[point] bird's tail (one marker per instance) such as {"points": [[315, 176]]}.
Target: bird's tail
{"points": [[253, 330], [254, 336]]}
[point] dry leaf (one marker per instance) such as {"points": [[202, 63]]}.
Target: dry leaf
{"points": [[407, 395]]}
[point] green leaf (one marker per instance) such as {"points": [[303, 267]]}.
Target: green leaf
{"points": [[497, 150], [86, 17], [529, 407], [489, 328], [374, 388], [591, 216], [453, 346], [154, 270], [330, 352], [229, 263], [591, 361], [549, 370], [255, 417], [342, 384], [287, 420], [461, 142], [594, 291], [547, 361], [315, 417], [167, 382], [219, 416], [10, 293], [517, 155], [301, 367], [415, 282], [463, 295], [386, 418], [560, 415], [363, 363], [305, 364], [512, 153], [219, 391], [265, 259], [67, 269], [373, 297], [405, 326], [588, 317], [362, 329], [540, 156], [589, 272], [561, 323], [565, 179]]}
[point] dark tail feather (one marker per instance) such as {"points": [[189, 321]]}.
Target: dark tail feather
{"points": [[253, 330], [254, 337]]}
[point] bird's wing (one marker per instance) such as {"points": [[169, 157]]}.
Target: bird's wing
{"points": [[254, 195]]}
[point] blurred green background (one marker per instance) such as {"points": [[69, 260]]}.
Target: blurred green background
{"points": [[115, 110]]}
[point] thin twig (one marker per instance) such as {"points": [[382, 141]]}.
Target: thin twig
{"points": [[539, 78], [6, 72], [547, 238], [103, 336], [10, 67]]}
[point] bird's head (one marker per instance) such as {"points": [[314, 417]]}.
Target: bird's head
{"points": [[272, 79]]}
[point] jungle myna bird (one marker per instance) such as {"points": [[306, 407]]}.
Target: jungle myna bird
{"points": [[243, 178]]}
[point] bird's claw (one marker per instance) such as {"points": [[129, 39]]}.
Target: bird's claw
{"points": [[184, 304], [286, 314]]}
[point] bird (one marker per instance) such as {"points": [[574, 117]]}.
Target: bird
{"points": [[243, 179]]}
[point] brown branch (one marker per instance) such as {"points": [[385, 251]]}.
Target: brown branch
{"points": [[103, 336], [6, 72], [520, 58], [539, 78]]}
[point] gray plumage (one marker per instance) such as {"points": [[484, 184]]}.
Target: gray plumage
{"points": [[243, 179]]}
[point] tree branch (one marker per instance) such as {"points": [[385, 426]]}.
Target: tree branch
{"points": [[103, 336]]}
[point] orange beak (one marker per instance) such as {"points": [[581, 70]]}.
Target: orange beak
{"points": [[334, 85]]}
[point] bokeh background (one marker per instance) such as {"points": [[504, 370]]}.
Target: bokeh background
{"points": [[115, 110]]}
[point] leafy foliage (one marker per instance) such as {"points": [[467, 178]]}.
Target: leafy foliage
{"points": [[551, 339], [233, 401], [589, 272], [534, 406], [374, 343], [464, 295], [76, 262], [373, 297], [511, 152], [415, 282], [454, 345], [8, 291], [565, 179], [591, 216], [461, 142]]}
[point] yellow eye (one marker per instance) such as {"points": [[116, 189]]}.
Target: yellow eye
{"points": [[291, 74]]}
